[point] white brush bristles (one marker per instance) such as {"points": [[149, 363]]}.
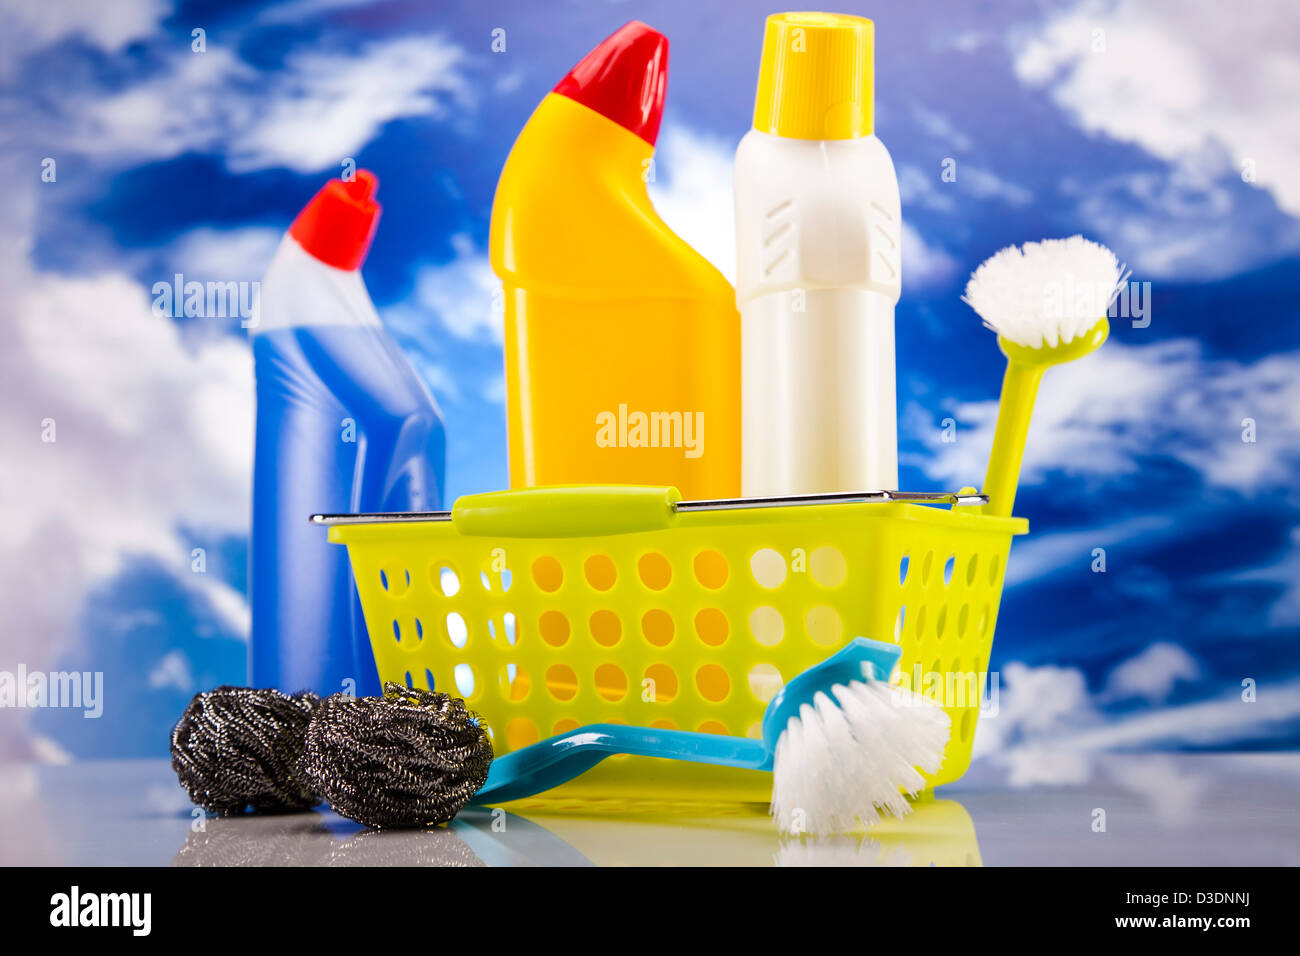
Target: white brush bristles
{"points": [[842, 761], [1045, 293]]}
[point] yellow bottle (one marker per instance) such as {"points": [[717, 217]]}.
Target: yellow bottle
{"points": [[622, 344]]}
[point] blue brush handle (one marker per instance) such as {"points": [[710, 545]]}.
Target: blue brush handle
{"points": [[557, 760], [539, 767]]}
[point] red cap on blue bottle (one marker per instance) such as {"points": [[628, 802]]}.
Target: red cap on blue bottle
{"points": [[337, 225], [623, 79]]}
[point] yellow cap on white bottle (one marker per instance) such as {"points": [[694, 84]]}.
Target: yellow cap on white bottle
{"points": [[817, 76]]}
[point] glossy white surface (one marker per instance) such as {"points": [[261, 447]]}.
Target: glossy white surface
{"points": [[1182, 810]]}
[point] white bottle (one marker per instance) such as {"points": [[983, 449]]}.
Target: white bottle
{"points": [[818, 231]]}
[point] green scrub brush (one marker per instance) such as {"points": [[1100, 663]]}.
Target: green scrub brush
{"points": [[1047, 301]]}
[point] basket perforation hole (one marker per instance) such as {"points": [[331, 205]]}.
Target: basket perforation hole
{"points": [[768, 567], [515, 682], [659, 686], [968, 724], [548, 575], [606, 628], [764, 681], [397, 631], [419, 629], [600, 571], [972, 568], [457, 632], [485, 581], [767, 625], [657, 626], [428, 679], [984, 619], [902, 570], [464, 678], [564, 725], [448, 581], [710, 569], [711, 626], [713, 727], [713, 683], [993, 571], [521, 732], [654, 570], [554, 628], [927, 565], [921, 615], [611, 682], [963, 620], [941, 621], [395, 583], [824, 625], [409, 682], [561, 682], [948, 566], [899, 623], [828, 567]]}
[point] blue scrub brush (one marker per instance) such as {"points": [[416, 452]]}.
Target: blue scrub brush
{"points": [[842, 743]]}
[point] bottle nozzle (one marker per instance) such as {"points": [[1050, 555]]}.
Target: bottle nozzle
{"points": [[623, 79], [337, 225]]}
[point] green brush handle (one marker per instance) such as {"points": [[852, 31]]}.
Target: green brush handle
{"points": [[1025, 367], [1019, 389]]}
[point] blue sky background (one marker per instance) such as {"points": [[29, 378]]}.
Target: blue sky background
{"points": [[1169, 131]]}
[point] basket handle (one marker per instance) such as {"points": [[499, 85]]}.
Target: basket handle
{"points": [[566, 511]]}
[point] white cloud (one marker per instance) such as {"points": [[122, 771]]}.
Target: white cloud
{"points": [[924, 264], [152, 430], [1040, 555], [930, 191], [1034, 703], [320, 108], [1181, 79], [1047, 723], [326, 106], [463, 293], [109, 26], [1183, 221], [940, 127], [224, 255], [1100, 416], [692, 193], [1285, 572], [172, 670], [1152, 674]]}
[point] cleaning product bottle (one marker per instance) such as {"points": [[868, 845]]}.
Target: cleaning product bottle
{"points": [[344, 424], [818, 230], [622, 344]]}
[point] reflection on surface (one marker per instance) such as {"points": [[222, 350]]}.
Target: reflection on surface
{"points": [[621, 832], [582, 833], [1166, 809], [935, 833], [304, 839]]}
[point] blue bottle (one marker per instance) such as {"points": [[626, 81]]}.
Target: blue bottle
{"points": [[344, 424]]}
